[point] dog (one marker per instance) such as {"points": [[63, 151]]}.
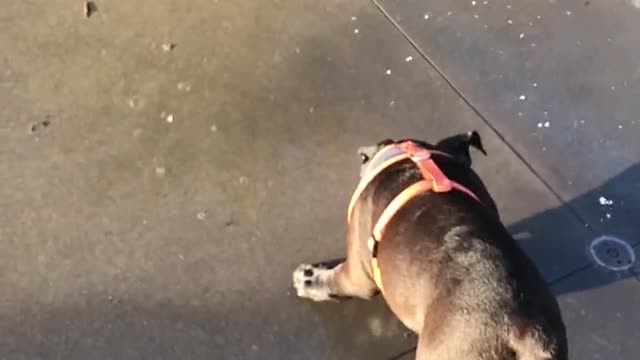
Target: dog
{"points": [[424, 231]]}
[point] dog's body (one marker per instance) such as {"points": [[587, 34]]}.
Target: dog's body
{"points": [[450, 270]]}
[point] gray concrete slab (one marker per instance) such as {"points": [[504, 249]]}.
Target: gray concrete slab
{"points": [[602, 322], [131, 236], [128, 236], [557, 79], [155, 202]]}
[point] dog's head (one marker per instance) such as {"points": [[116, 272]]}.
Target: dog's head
{"points": [[456, 146]]}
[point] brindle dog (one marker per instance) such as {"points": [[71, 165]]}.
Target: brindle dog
{"points": [[451, 271]]}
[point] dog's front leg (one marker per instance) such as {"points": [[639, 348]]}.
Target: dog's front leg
{"points": [[350, 278], [320, 283]]}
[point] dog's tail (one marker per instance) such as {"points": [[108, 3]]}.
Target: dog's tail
{"points": [[530, 342]]}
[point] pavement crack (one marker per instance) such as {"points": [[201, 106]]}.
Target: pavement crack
{"points": [[572, 210]]}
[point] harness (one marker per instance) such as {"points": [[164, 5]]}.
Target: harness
{"points": [[433, 180]]}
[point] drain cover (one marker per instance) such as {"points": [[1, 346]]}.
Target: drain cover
{"points": [[612, 253]]}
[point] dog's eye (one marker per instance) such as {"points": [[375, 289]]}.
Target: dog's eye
{"points": [[364, 158]]}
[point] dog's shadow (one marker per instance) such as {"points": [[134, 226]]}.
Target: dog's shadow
{"points": [[558, 239]]}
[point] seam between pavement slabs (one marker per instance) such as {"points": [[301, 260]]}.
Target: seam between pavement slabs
{"points": [[571, 273], [475, 110], [589, 266]]}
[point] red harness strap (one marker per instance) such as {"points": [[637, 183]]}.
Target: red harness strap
{"points": [[434, 180]]}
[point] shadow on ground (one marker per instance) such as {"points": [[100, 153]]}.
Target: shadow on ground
{"points": [[550, 240]]}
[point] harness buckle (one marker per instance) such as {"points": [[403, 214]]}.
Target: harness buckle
{"points": [[372, 244]]}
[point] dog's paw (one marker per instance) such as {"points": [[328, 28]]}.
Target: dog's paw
{"points": [[310, 282]]}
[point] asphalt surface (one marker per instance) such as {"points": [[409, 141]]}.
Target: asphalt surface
{"points": [[165, 165]]}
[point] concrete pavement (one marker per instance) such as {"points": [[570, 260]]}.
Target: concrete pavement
{"points": [[155, 199]]}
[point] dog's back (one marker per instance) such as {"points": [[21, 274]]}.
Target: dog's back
{"points": [[462, 282], [487, 302]]}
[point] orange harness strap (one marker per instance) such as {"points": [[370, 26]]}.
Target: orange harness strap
{"points": [[434, 179]]}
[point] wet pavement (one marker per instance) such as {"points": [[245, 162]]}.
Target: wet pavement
{"points": [[165, 165]]}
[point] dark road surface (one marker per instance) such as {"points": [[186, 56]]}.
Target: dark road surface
{"points": [[166, 164]]}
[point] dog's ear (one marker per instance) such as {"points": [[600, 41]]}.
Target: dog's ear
{"points": [[473, 138], [458, 145]]}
